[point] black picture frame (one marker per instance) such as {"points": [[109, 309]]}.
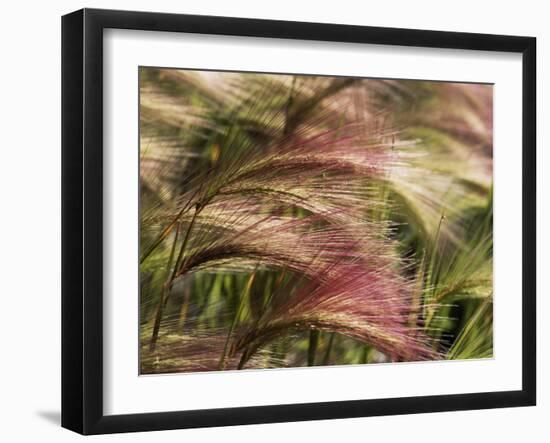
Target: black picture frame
{"points": [[82, 219]]}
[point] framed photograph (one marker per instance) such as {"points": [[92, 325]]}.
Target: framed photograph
{"points": [[270, 221]]}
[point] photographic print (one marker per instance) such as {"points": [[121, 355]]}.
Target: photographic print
{"points": [[298, 220]]}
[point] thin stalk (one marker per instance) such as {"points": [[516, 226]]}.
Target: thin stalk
{"points": [[428, 308], [158, 318], [168, 228], [365, 355], [236, 318], [417, 294], [275, 288], [168, 284], [184, 244], [326, 358], [165, 232], [244, 358], [163, 295], [312, 349]]}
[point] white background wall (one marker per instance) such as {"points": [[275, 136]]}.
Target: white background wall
{"points": [[30, 219]]}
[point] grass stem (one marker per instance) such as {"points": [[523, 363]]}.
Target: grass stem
{"points": [[236, 318], [312, 349]]}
